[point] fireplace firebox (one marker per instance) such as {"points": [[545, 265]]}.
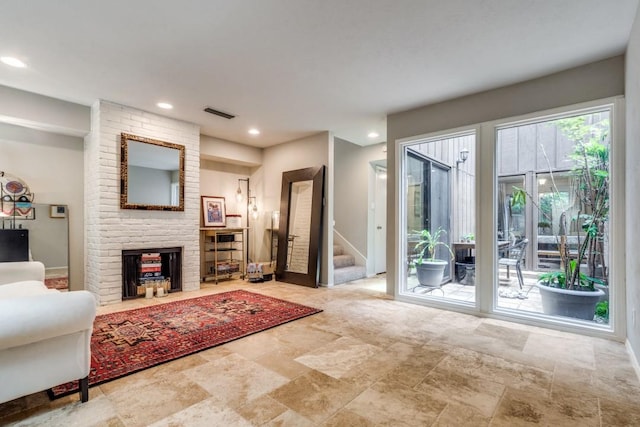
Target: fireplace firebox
{"points": [[147, 267]]}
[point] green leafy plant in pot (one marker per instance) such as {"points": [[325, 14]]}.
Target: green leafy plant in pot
{"points": [[429, 269], [570, 291]]}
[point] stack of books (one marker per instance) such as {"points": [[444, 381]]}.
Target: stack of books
{"points": [[150, 268]]}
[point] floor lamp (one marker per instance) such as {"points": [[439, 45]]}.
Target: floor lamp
{"points": [[251, 208]]}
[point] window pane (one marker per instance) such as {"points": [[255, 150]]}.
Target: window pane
{"points": [[553, 204]]}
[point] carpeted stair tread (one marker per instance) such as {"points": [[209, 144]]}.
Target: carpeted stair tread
{"points": [[347, 274], [341, 261], [344, 266]]}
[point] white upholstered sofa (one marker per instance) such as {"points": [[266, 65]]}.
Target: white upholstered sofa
{"points": [[44, 334]]}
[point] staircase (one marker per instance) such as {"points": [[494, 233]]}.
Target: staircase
{"points": [[344, 268]]}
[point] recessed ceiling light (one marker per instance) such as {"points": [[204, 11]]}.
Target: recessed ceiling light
{"points": [[373, 134], [165, 105], [14, 62], [254, 131]]}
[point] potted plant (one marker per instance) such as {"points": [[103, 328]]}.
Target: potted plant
{"points": [[429, 269], [570, 291]]}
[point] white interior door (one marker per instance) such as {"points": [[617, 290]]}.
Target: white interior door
{"points": [[380, 218]]}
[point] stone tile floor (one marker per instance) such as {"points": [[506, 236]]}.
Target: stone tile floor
{"points": [[366, 360]]}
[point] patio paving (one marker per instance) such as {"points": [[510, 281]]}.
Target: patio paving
{"points": [[510, 296]]}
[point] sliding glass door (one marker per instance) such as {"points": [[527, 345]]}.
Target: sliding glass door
{"points": [[547, 223], [438, 231]]}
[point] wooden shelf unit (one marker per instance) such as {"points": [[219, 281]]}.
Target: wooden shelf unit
{"points": [[222, 253]]}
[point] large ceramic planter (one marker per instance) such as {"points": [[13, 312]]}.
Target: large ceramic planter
{"points": [[430, 273], [568, 303]]}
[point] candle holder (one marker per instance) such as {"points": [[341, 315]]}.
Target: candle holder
{"points": [[162, 287]]}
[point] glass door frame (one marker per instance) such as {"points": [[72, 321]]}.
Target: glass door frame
{"points": [[486, 219], [400, 293]]}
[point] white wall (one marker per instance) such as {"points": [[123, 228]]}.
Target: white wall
{"points": [[593, 81], [221, 180], [48, 238], [110, 229], [43, 113], [221, 150], [52, 167], [307, 152], [632, 87], [351, 194]]}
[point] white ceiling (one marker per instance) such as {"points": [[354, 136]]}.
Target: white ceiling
{"points": [[296, 67]]}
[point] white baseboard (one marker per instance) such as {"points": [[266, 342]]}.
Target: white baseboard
{"points": [[634, 359]]}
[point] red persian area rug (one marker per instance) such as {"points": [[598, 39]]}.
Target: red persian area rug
{"points": [[59, 283], [129, 341]]}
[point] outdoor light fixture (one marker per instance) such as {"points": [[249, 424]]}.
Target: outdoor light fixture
{"points": [[463, 156]]}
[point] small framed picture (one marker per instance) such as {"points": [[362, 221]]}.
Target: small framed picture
{"points": [[58, 211], [213, 211]]}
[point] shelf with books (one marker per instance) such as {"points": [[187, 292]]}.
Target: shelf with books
{"points": [[222, 253]]}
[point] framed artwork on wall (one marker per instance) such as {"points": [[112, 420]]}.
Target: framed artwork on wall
{"points": [[58, 211], [213, 211]]}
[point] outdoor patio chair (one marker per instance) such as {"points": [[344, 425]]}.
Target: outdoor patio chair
{"points": [[514, 255]]}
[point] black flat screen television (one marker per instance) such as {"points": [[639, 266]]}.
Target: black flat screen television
{"points": [[14, 245]]}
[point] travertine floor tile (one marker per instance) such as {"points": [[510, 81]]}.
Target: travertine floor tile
{"points": [[615, 413], [557, 348], [346, 417], [383, 363], [261, 410], [337, 358], [289, 419], [315, 395], [283, 362], [235, 380], [153, 374], [204, 414], [146, 404], [456, 415], [414, 366], [499, 370], [387, 403], [97, 412], [521, 408], [510, 337], [480, 393]]}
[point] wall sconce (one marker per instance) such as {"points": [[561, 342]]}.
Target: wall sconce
{"points": [[463, 156]]}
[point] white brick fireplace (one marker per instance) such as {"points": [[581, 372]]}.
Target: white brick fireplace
{"points": [[109, 229]]}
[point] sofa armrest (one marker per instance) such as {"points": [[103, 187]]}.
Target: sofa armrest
{"points": [[28, 319], [19, 271]]}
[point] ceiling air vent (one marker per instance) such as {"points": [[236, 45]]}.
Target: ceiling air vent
{"points": [[219, 113]]}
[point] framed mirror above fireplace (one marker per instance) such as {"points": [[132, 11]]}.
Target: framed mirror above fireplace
{"points": [[151, 174]]}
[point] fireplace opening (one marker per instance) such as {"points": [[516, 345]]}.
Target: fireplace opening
{"points": [[151, 267]]}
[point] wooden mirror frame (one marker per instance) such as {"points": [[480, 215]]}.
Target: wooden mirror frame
{"points": [[311, 278], [124, 179]]}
